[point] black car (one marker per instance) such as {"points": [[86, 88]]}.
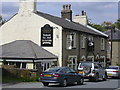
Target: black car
{"points": [[61, 75]]}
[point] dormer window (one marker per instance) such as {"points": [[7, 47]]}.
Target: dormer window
{"points": [[71, 41]]}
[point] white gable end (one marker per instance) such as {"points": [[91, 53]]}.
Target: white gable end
{"points": [[29, 28]]}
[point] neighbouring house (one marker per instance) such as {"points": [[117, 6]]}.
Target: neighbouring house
{"points": [[114, 35], [72, 41]]}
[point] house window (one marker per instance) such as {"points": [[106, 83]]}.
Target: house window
{"points": [[90, 38], [71, 41], [23, 65], [102, 44], [83, 41], [72, 62]]}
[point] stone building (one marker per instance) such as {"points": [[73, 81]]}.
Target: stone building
{"points": [[115, 46], [70, 40]]}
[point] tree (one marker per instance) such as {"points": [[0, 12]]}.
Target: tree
{"points": [[117, 24], [1, 20], [98, 27]]}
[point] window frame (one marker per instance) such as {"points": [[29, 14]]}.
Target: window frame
{"points": [[83, 42], [71, 41], [102, 44]]}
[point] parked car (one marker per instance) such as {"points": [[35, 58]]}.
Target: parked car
{"points": [[61, 75], [113, 71], [92, 71]]}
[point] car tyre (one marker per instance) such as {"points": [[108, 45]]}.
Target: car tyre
{"points": [[64, 83], [105, 77], [81, 81], [45, 83], [96, 78]]}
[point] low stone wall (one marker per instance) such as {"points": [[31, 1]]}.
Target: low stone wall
{"points": [[12, 71]]}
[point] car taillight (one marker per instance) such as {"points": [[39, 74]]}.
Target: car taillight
{"points": [[41, 74], [114, 71], [93, 71], [56, 75]]}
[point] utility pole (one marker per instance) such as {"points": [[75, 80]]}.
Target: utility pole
{"points": [[111, 43]]}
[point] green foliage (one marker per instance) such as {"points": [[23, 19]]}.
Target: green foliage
{"points": [[4, 62], [2, 21], [118, 64], [98, 27], [117, 24], [103, 27]]}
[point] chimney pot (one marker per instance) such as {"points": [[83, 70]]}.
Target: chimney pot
{"points": [[83, 13]]}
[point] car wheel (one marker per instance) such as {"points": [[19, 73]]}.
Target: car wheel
{"points": [[45, 83], [96, 78], [64, 83], [105, 77], [81, 81]]}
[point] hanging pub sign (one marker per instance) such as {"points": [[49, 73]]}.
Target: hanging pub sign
{"points": [[90, 46], [47, 35]]}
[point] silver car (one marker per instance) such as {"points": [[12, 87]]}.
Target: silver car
{"points": [[113, 71], [92, 71]]}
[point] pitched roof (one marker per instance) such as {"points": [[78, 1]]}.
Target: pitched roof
{"points": [[24, 49], [67, 24], [115, 34]]}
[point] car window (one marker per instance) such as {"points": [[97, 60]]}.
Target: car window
{"points": [[65, 70], [96, 66], [52, 70], [100, 66], [82, 65], [112, 67], [71, 70]]}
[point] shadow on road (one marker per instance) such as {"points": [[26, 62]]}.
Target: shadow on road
{"points": [[70, 85]]}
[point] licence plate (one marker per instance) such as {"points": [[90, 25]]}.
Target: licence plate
{"points": [[47, 75], [109, 74]]}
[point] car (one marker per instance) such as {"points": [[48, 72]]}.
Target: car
{"points": [[113, 71], [61, 75], [92, 71]]}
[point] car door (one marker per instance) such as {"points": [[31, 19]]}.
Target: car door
{"points": [[74, 75], [97, 69]]}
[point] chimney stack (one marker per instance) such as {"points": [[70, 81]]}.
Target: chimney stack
{"points": [[81, 19], [27, 6], [66, 13]]}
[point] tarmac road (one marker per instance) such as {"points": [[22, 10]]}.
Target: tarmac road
{"points": [[110, 83]]}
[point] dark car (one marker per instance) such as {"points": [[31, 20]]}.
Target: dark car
{"points": [[61, 75]]}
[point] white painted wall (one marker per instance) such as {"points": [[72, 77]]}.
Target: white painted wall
{"points": [[28, 27]]}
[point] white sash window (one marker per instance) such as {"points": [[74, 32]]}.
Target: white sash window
{"points": [[71, 41], [102, 44]]}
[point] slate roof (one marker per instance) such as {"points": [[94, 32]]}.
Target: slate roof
{"points": [[24, 49], [115, 34], [69, 25]]}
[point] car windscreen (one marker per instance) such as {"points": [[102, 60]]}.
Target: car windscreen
{"points": [[52, 70], [112, 67], [85, 64]]}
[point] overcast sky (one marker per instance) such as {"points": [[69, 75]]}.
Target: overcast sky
{"points": [[97, 12]]}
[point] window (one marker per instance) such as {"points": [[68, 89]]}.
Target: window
{"points": [[90, 38], [71, 41], [73, 60], [102, 44], [23, 65], [83, 41]]}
